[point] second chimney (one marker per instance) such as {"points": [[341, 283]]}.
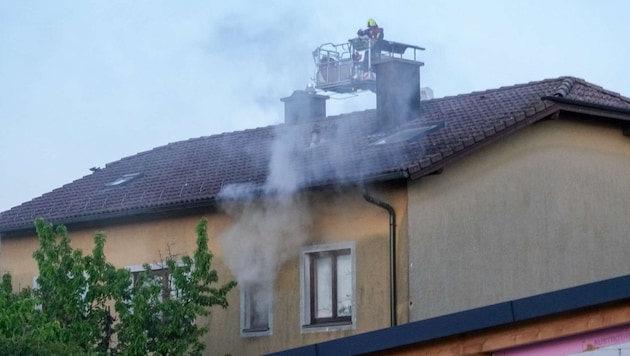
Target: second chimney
{"points": [[397, 92], [303, 106]]}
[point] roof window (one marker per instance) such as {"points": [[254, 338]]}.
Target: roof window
{"points": [[407, 135], [124, 179]]}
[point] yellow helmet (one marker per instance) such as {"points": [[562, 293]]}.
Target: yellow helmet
{"points": [[371, 23]]}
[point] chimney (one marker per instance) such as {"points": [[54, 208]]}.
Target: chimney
{"points": [[303, 106], [397, 92]]}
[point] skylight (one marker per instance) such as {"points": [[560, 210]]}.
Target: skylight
{"points": [[406, 135], [124, 179]]}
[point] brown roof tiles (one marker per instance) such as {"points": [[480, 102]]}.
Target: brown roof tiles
{"points": [[192, 172]]}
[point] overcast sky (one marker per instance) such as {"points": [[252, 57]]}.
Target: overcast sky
{"points": [[85, 83]]}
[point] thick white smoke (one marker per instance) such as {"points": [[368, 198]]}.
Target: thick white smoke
{"points": [[265, 234], [271, 222]]}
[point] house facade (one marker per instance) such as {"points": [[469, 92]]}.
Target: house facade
{"points": [[342, 222], [339, 226], [537, 212]]}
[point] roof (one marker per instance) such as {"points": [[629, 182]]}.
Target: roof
{"points": [[543, 305], [337, 149]]}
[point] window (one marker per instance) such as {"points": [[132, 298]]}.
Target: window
{"points": [[328, 287], [161, 275], [256, 309], [408, 134], [169, 294], [124, 179], [160, 272]]}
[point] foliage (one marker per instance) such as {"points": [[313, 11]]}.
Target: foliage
{"points": [[71, 310], [19, 345], [165, 323], [23, 329]]}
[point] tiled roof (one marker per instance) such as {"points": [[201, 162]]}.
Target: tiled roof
{"points": [[336, 149]]}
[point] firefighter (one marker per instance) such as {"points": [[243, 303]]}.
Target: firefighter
{"points": [[372, 31], [375, 34]]}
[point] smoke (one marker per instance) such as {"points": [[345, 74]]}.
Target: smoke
{"points": [[266, 233], [271, 222], [284, 176]]}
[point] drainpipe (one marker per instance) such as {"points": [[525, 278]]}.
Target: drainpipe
{"points": [[392, 250]]}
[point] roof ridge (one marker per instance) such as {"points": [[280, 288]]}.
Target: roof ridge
{"points": [[565, 87], [514, 86]]}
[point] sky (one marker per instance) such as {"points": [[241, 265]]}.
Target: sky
{"points": [[86, 83]]}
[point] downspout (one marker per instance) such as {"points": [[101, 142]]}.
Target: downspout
{"points": [[392, 250]]}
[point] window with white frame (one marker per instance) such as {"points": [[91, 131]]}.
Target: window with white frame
{"points": [[256, 304], [328, 286], [161, 275]]}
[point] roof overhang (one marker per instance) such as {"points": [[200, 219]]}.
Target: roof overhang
{"points": [[186, 208], [581, 107], [120, 216]]}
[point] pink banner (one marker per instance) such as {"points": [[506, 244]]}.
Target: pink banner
{"points": [[602, 340]]}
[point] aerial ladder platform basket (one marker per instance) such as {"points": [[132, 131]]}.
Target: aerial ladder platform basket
{"points": [[352, 66]]}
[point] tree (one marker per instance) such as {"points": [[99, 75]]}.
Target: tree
{"points": [[77, 294], [165, 324], [23, 329]]}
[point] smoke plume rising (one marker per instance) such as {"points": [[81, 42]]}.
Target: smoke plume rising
{"points": [[271, 222]]}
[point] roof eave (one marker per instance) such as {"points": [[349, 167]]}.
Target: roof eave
{"points": [[91, 219], [582, 107], [182, 207]]}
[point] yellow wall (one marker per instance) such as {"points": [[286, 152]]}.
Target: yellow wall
{"points": [[544, 209], [127, 244], [337, 216]]}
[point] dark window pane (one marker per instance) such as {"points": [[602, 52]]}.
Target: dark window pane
{"points": [[256, 308]]}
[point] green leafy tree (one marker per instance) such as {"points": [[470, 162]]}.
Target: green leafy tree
{"points": [[23, 328], [74, 289], [164, 323], [71, 310]]}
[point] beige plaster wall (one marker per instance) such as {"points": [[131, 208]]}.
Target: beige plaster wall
{"points": [[337, 216], [127, 244], [542, 210]]}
